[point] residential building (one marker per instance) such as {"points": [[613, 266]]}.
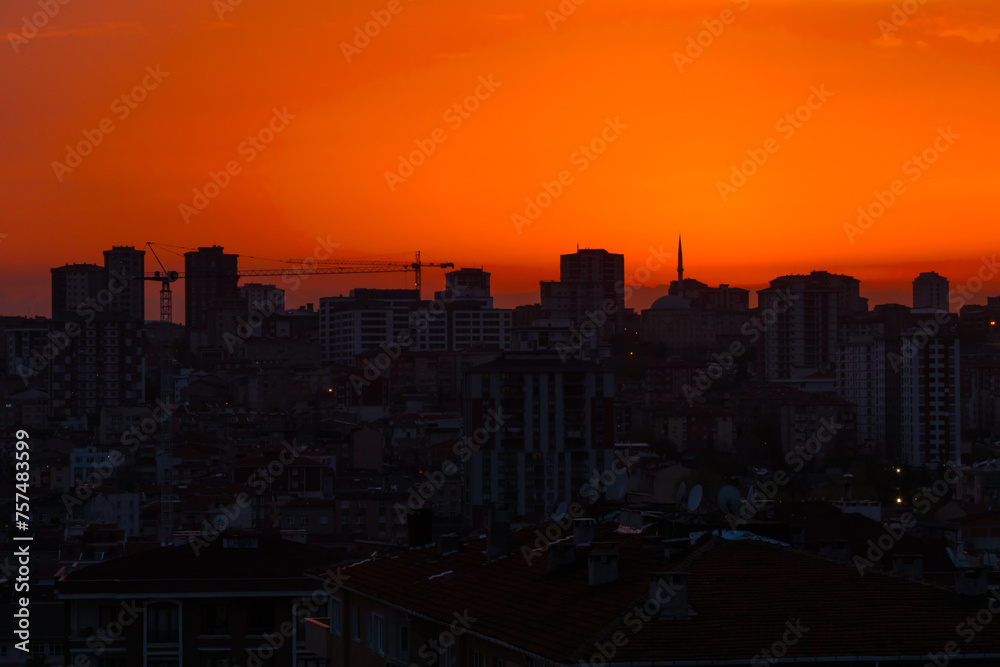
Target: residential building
{"points": [[801, 317], [212, 602], [545, 427], [129, 263], [930, 293], [211, 296]]}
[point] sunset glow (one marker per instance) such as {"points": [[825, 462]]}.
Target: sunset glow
{"points": [[689, 91]]}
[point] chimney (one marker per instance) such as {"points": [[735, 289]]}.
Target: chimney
{"points": [[583, 531], [560, 555], [497, 532], [838, 550], [669, 590], [848, 483], [419, 528], [971, 581], [447, 544], [602, 563], [909, 566]]}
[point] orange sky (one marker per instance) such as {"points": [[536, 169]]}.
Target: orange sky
{"points": [[324, 174]]}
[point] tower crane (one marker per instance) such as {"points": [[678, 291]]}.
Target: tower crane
{"points": [[167, 277], [307, 267]]}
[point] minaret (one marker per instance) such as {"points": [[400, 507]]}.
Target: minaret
{"points": [[680, 268]]}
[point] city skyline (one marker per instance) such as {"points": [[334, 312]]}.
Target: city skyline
{"points": [[314, 288], [511, 333], [882, 93]]}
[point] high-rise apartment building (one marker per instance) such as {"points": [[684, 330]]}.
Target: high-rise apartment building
{"points": [[128, 264], [930, 381], [75, 288], [545, 426], [930, 292], [590, 288], [262, 298], [211, 293], [801, 317], [459, 317]]}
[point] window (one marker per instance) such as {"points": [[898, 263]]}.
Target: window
{"points": [[336, 612], [355, 622], [323, 520], [213, 661], [404, 640], [260, 617], [215, 619], [478, 659], [376, 633], [162, 623]]}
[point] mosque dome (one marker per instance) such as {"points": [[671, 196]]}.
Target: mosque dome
{"points": [[670, 302]]}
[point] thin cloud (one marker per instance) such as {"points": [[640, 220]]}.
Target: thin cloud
{"points": [[979, 35]]}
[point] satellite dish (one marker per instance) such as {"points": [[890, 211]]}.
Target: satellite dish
{"points": [[561, 510], [694, 500], [681, 494], [729, 499]]}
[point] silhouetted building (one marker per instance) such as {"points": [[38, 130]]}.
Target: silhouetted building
{"points": [[397, 321], [262, 298], [694, 315], [367, 318], [467, 287], [930, 292], [75, 288], [471, 318], [101, 367], [591, 288], [97, 344], [801, 316], [210, 292], [128, 263]]}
